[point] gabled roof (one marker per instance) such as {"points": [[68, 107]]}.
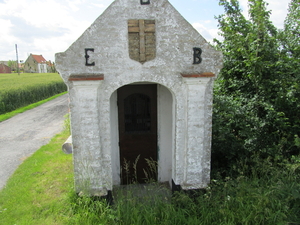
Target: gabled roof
{"points": [[4, 68], [109, 34], [39, 58], [3, 65]]}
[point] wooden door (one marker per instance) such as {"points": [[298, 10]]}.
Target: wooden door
{"points": [[137, 111]]}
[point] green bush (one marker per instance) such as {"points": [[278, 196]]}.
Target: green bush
{"points": [[257, 94], [21, 90], [12, 100]]}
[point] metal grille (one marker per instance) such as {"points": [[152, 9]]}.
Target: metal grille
{"points": [[137, 113]]}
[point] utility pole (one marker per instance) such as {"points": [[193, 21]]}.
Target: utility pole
{"points": [[17, 60]]}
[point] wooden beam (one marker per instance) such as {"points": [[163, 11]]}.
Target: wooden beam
{"points": [[142, 41], [85, 77]]}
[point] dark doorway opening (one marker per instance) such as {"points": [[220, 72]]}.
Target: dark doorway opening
{"points": [[137, 112]]}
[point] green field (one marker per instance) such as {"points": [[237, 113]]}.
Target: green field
{"points": [[20, 90]]}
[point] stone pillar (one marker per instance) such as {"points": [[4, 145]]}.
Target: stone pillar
{"points": [[87, 150], [198, 131]]}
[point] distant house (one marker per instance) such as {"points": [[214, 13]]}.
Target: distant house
{"points": [[51, 67], [35, 64], [4, 68], [4, 62]]}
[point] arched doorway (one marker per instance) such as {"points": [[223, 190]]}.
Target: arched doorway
{"points": [[165, 132], [137, 116]]}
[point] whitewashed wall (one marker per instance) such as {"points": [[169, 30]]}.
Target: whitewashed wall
{"points": [[185, 103]]}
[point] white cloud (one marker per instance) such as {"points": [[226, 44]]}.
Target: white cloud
{"points": [[39, 21], [278, 10], [7, 41], [50, 26], [206, 30], [101, 6], [48, 13], [6, 27]]}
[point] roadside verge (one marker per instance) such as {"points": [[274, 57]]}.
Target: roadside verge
{"points": [[31, 106]]}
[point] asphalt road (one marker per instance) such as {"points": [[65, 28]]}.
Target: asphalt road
{"points": [[23, 134]]}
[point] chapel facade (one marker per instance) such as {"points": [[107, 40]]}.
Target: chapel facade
{"points": [[140, 83]]}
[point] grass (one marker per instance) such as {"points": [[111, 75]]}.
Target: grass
{"points": [[13, 81], [20, 90], [41, 192], [38, 192]]}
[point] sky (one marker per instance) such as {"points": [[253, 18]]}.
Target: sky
{"points": [[45, 27]]}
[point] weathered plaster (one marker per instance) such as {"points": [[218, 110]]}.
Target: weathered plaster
{"points": [[93, 113]]}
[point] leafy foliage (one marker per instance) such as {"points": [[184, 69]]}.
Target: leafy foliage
{"points": [[291, 32], [13, 65], [257, 94], [18, 91]]}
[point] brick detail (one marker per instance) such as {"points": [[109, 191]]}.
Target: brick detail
{"points": [[83, 77], [206, 74]]}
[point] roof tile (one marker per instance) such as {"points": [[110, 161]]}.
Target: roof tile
{"points": [[39, 58]]}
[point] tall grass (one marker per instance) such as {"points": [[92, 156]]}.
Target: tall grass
{"points": [[267, 196], [18, 91], [41, 191]]}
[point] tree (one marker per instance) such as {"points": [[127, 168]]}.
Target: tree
{"points": [[290, 36], [289, 66], [13, 65], [252, 111], [51, 67]]}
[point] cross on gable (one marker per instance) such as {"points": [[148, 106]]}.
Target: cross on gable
{"points": [[141, 40]]}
